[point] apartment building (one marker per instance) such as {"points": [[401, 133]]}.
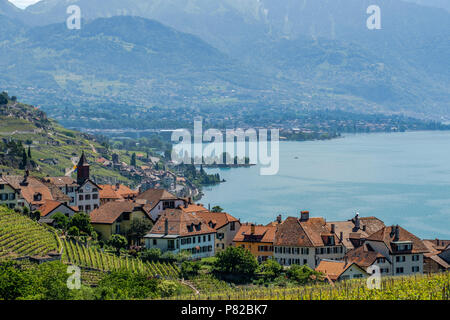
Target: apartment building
{"points": [[404, 250], [306, 241], [177, 231]]}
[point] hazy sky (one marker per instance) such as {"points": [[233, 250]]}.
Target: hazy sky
{"points": [[23, 3]]}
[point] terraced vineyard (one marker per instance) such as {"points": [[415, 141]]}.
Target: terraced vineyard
{"points": [[93, 258], [20, 236], [421, 287]]}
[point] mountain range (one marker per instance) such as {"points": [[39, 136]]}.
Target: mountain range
{"points": [[253, 53]]}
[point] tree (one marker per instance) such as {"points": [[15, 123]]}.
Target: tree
{"points": [[13, 283], [82, 221], [60, 221], [216, 209], [118, 242], [139, 228], [29, 152], [3, 98], [271, 269], [133, 160], [24, 162], [236, 260]]}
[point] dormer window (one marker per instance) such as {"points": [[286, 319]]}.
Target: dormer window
{"points": [[37, 197]]}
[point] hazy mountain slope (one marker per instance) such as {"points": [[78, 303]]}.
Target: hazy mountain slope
{"points": [[122, 60], [306, 52]]}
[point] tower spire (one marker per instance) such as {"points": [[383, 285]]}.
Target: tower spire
{"points": [[82, 169]]}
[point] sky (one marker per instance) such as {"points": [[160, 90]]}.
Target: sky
{"points": [[23, 3]]}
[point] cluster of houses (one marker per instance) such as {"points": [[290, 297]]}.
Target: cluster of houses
{"points": [[340, 249], [151, 177]]}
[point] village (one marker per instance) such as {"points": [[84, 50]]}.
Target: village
{"points": [[342, 250]]}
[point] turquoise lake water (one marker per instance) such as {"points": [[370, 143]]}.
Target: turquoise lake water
{"points": [[401, 178]]}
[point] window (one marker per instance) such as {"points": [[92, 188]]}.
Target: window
{"points": [[80, 197], [126, 216], [415, 269], [94, 190], [88, 197], [400, 259], [155, 242], [80, 191], [305, 261], [12, 196], [95, 196], [117, 228], [95, 206], [416, 257], [2, 186], [209, 237], [399, 270], [81, 208], [232, 226], [88, 207]]}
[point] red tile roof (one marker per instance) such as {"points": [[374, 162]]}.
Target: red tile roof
{"points": [[309, 233], [152, 197], [364, 256], [111, 211]]}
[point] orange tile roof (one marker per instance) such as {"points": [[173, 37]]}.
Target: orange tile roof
{"points": [[193, 208], [265, 234], [334, 269], [50, 205], [215, 220], [179, 223], [108, 191], [387, 235], [33, 188]]}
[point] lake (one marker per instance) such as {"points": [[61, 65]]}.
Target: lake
{"points": [[401, 178]]}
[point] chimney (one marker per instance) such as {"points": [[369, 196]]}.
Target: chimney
{"points": [[364, 228], [209, 206], [346, 261], [333, 228], [304, 216], [397, 233], [341, 237], [437, 242], [279, 218], [166, 226], [186, 204], [357, 222], [252, 228], [117, 186]]}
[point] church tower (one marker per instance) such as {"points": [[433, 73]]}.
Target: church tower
{"points": [[82, 170]]}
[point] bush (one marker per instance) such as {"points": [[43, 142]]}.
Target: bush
{"points": [[301, 274], [126, 284], [190, 269], [73, 231], [152, 254]]}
